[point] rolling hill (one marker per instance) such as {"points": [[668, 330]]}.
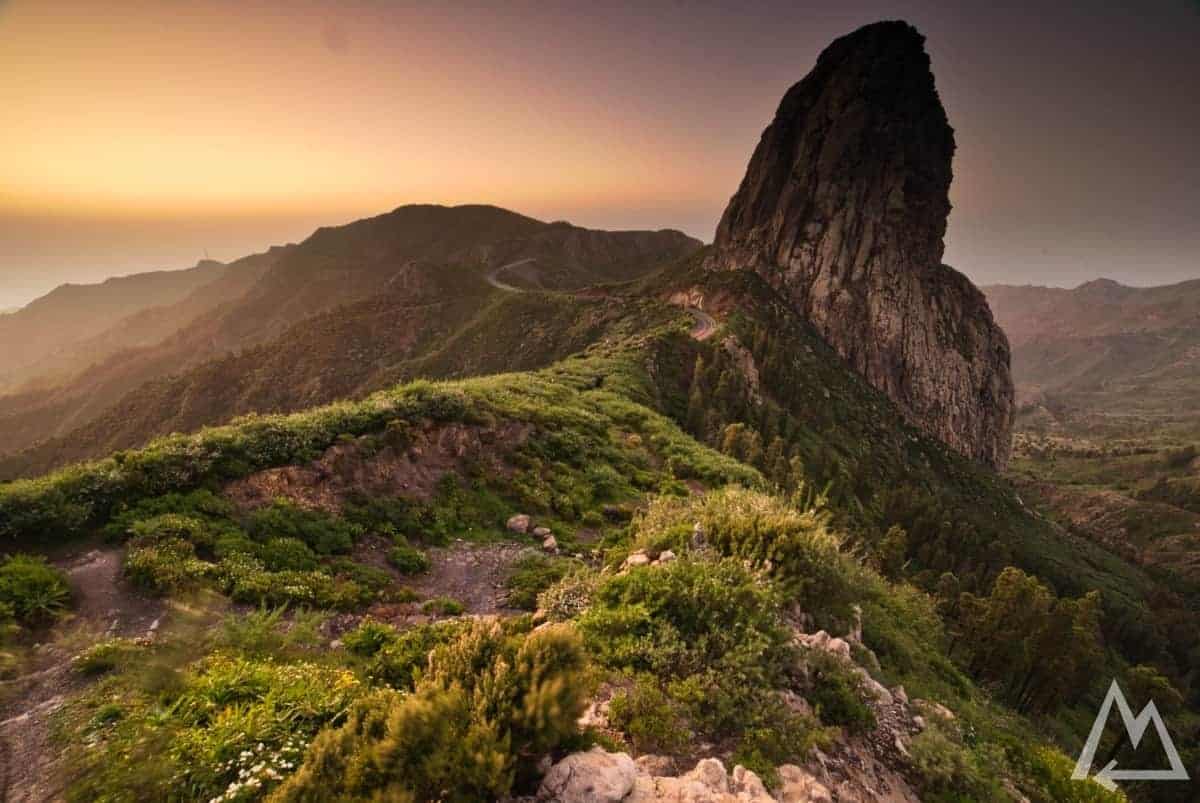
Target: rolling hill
{"points": [[321, 320]]}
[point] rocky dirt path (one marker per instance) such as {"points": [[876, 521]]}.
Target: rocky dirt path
{"points": [[104, 605], [475, 575]]}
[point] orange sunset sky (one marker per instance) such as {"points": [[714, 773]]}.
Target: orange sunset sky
{"points": [[138, 135]]}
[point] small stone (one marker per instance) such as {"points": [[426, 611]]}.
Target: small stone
{"points": [[550, 544], [798, 786], [656, 765], [666, 556], [541, 532], [838, 647], [900, 694], [937, 709], [796, 703], [637, 559], [710, 772], [747, 786], [519, 523], [919, 722], [877, 689]]}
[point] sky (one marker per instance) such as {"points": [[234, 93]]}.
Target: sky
{"points": [[148, 135]]}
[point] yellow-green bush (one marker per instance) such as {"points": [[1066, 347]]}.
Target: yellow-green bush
{"points": [[797, 547], [32, 590], [493, 699]]}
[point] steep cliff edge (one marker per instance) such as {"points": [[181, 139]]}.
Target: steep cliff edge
{"points": [[843, 209]]}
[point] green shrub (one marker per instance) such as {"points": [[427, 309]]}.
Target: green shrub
{"points": [[776, 735], [103, 656], [1052, 772], [424, 746], [569, 597], [649, 718], [162, 565], [232, 728], [174, 526], [371, 578], [492, 702], [942, 764], [369, 637], [408, 559], [531, 576], [106, 715], [238, 713], [323, 533], [286, 554], [950, 770], [687, 617], [388, 515], [837, 694], [400, 660], [233, 543], [32, 589], [443, 606], [266, 632], [712, 635], [245, 579], [214, 512]]}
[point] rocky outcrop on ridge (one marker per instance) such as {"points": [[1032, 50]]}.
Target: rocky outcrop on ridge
{"points": [[843, 209]]}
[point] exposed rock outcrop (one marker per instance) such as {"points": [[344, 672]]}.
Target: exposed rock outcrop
{"points": [[843, 209], [598, 776]]}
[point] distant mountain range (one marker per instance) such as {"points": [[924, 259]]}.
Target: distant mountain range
{"points": [[1104, 347], [102, 367]]}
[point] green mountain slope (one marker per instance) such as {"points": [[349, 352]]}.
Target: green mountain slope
{"points": [[648, 412]]}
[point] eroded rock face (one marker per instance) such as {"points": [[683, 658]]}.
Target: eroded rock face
{"points": [[843, 209]]}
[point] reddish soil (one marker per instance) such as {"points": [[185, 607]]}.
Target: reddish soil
{"points": [[413, 471]]}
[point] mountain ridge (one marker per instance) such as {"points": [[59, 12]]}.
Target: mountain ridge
{"points": [[379, 274]]}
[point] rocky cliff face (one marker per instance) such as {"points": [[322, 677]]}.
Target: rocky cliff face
{"points": [[843, 209]]}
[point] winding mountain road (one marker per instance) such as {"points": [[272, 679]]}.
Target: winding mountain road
{"points": [[703, 327], [493, 279]]}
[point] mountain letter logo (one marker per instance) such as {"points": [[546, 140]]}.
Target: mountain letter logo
{"points": [[1136, 728]]}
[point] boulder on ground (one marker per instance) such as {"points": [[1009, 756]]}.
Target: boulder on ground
{"points": [[596, 776], [519, 523]]}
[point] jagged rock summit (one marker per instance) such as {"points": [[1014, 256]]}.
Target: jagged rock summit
{"points": [[843, 209]]}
